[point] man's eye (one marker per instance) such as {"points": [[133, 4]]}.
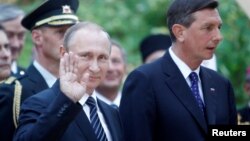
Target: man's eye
{"points": [[209, 28], [103, 58], [6, 46]]}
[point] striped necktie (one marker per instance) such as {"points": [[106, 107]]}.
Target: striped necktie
{"points": [[95, 121]]}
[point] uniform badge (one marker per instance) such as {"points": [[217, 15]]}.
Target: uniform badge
{"points": [[66, 9]]}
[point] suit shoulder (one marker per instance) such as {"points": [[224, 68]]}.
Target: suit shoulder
{"points": [[213, 73], [105, 105], [149, 68], [45, 95], [9, 84], [10, 80]]}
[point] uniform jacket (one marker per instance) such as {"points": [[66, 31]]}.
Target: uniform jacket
{"points": [[32, 82]]}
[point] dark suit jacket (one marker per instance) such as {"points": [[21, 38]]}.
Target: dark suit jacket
{"points": [[158, 105], [51, 116], [32, 82]]}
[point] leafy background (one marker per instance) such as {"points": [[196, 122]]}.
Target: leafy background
{"points": [[128, 21]]}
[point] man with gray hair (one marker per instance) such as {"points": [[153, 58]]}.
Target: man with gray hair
{"points": [[109, 89], [10, 19], [70, 110]]}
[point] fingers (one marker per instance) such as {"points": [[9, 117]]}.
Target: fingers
{"points": [[85, 79], [62, 68], [69, 64], [75, 65]]}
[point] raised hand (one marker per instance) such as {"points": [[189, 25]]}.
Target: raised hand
{"points": [[71, 83]]}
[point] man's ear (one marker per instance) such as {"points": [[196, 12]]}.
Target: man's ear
{"points": [[179, 32], [37, 36], [62, 50]]}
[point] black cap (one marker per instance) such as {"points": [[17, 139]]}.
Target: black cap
{"points": [[154, 43], [52, 13]]}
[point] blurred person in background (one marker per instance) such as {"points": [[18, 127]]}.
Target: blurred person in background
{"points": [[210, 63], [244, 112], [5, 56], [10, 19], [154, 46], [109, 89]]}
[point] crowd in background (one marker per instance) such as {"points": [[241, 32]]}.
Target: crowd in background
{"points": [[79, 86]]}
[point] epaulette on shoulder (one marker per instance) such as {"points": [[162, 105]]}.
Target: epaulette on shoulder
{"points": [[17, 96], [10, 80]]}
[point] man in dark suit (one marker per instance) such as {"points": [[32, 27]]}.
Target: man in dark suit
{"points": [[63, 112], [47, 25], [10, 19], [174, 98], [109, 89]]}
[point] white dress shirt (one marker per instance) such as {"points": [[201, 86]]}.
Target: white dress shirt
{"points": [[14, 67], [116, 101], [210, 63], [49, 78], [185, 70], [86, 109]]}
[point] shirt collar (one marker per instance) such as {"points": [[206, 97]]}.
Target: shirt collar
{"points": [[48, 77], [14, 67], [183, 67], [85, 97], [116, 100]]}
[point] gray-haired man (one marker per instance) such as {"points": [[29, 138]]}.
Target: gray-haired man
{"points": [[10, 19]]}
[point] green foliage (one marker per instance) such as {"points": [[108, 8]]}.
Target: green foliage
{"points": [[128, 21], [233, 53]]}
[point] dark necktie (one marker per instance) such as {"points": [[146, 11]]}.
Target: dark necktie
{"points": [[195, 90], [95, 121], [114, 106]]}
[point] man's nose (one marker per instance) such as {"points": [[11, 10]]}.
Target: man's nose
{"points": [[14, 42], [94, 66]]}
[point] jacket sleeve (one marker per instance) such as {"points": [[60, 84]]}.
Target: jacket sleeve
{"points": [[6, 113], [45, 116]]}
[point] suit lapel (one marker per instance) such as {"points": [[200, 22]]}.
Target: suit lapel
{"points": [[37, 79], [85, 126], [177, 83], [209, 93]]}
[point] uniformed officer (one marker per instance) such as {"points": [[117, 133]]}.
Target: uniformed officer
{"points": [[47, 24]]}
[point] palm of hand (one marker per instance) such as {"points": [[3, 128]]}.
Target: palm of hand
{"points": [[70, 84]]}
